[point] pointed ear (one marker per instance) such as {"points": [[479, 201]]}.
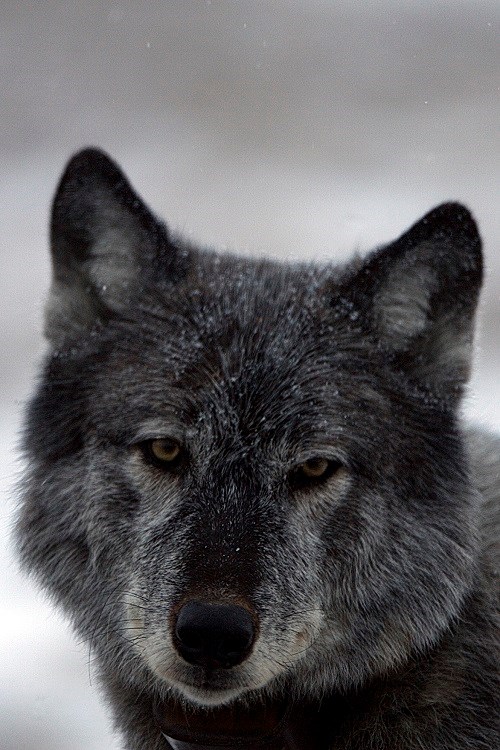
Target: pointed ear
{"points": [[105, 243], [419, 295]]}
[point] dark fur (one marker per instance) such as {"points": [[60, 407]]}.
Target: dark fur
{"points": [[374, 590]]}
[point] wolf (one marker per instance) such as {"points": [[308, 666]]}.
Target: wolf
{"points": [[249, 485]]}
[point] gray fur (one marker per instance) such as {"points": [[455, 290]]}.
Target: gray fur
{"points": [[375, 589]]}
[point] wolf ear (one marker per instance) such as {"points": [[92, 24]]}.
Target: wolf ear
{"points": [[419, 295], [104, 241]]}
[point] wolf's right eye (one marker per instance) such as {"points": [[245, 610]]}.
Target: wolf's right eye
{"points": [[166, 453], [313, 471]]}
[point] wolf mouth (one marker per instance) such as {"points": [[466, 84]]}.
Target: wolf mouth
{"points": [[205, 694], [208, 686], [212, 683]]}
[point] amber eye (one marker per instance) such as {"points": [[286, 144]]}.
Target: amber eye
{"points": [[164, 452], [315, 467], [313, 470]]}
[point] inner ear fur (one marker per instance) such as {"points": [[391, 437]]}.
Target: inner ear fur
{"points": [[104, 243], [418, 296]]}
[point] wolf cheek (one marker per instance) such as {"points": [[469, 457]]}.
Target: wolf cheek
{"points": [[248, 484]]}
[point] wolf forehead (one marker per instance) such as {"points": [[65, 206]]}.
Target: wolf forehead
{"points": [[248, 313], [258, 345]]}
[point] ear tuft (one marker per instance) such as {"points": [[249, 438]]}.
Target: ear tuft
{"points": [[92, 192], [104, 242], [419, 295], [448, 221]]}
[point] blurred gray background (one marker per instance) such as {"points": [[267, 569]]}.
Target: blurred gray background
{"points": [[296, 129]]}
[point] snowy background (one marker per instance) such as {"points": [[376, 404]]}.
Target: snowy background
{"points": [[286, 128]]}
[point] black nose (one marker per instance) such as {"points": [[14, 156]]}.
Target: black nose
{"points": [[214, 636]]}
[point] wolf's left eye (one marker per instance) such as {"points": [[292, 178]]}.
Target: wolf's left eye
{"points": [[166, 453], [316, 469]]}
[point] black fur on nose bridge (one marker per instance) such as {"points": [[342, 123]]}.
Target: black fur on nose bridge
{"points": [[224, 551]]}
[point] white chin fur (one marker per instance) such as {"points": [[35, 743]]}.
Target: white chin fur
{"points": [[203, 697]]}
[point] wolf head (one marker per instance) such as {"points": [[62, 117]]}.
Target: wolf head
{"points": [[246, 478]]}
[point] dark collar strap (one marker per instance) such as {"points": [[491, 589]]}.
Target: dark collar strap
{"points": [[270, 727]]}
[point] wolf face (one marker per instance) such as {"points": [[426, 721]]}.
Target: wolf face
{"points": [[246, 478]]}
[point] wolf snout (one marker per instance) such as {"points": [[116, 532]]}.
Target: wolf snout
{"points": [[214, 636]]}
